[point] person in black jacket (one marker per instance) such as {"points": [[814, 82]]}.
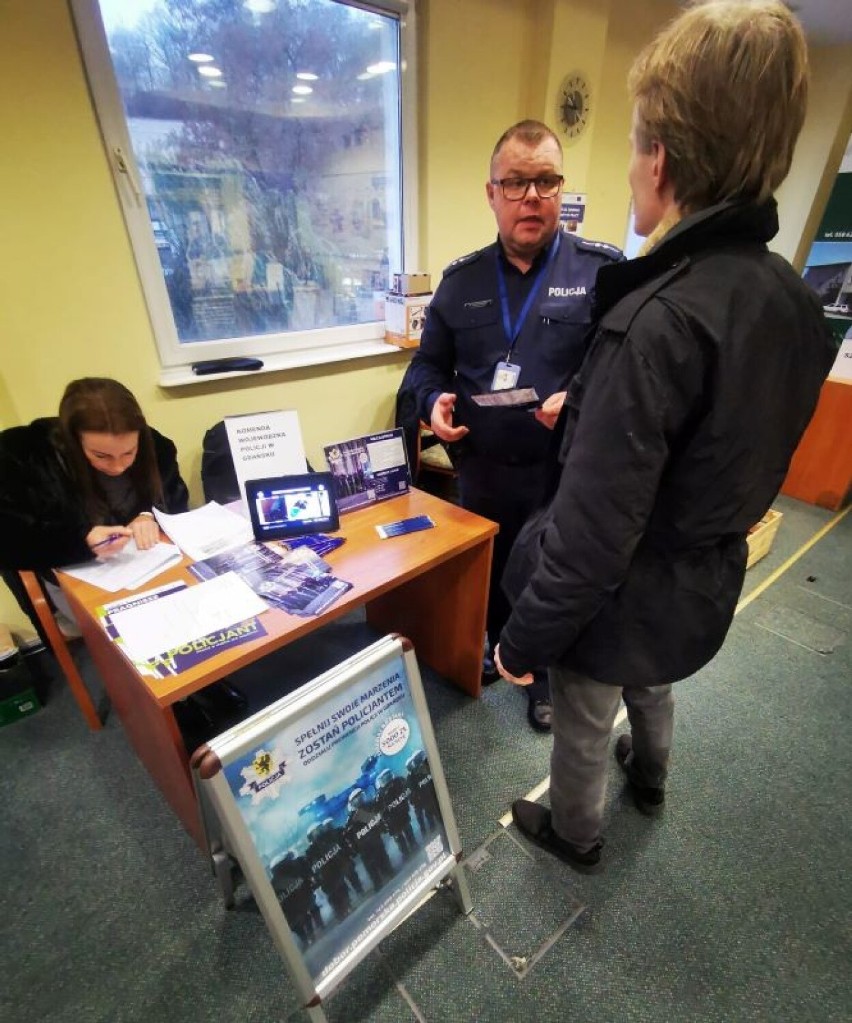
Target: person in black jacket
{"points": [[71, 483], [678, 430], [515, 314], [295, 885], [364, 834]]}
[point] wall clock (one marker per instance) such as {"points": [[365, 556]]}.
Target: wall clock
{"points": [[573, 105]]}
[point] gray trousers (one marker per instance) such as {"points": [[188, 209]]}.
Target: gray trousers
{"points": [[583, 715]]}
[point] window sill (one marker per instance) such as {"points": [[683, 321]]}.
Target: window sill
{"points": [[183, 376]]}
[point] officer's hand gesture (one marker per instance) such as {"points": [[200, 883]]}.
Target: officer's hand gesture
{"points": [[442, 419], [550, 409]]}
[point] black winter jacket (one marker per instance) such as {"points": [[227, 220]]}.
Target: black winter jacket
{"points": [[678, 431], [43, 523]]}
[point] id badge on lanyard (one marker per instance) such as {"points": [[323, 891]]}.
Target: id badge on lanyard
{"points": [[507, 373], [505, 376]]}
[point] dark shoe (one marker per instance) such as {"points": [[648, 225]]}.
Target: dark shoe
{"points": [[648, 800], [540, 714], [490, 674], [533, 821]]}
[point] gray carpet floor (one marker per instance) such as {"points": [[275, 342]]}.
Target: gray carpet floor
{"points": [[732, 906]]}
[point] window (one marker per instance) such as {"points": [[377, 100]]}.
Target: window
{"points": [[257, 147]]}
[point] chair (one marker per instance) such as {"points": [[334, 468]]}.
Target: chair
{"points": [[427, 454], [433, 469], [57, 644], [432, 454]]}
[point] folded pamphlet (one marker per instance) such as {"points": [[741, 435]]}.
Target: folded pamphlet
{"points": [[297, 581], [178, 619], [172, 662], [516, 397]]}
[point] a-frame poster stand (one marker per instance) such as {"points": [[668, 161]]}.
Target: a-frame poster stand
{"points": [[334, 804]]}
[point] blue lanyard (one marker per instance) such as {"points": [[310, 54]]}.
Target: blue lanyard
{"points": [[512, 333]]}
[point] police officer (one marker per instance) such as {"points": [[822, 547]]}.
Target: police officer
{"points": [[333, 833], [423, 797], [394, 799], [364, 833], [330, 863], [294, 885], [515, 314]]}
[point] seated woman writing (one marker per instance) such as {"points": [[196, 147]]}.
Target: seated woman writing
{"points": [[80, 485]]}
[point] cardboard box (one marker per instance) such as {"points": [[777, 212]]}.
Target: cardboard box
{"points": [[405, 316], [761, 535], [411, 284]]}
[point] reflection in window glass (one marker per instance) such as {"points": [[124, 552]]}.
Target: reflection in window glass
{"points": [[266, 136]]}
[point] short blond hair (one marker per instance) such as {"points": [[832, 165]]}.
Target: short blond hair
{"points": [[532, 133], [724, 88]]}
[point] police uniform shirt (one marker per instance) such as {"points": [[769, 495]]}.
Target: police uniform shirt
{"points": [[464, 338]]}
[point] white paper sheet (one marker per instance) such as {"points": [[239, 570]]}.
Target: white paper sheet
{"points": [[127, 570], [265, 444], [178, 618], [206, 531]]}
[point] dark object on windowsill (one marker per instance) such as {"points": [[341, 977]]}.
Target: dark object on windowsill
{"points": [[228, 365]]}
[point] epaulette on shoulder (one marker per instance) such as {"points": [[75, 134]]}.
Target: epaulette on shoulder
{"points": [[602, 248], [457, 264]]}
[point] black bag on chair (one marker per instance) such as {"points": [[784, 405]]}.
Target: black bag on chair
{"points": [[406, 416], [218, 476]]}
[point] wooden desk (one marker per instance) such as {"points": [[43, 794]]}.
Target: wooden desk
{"points": [[431, 586]]}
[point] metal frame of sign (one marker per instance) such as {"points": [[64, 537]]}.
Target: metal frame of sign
{"points": [[333, 874]]}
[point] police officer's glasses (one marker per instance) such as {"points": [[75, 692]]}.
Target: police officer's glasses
{"points": [[515, 189]]}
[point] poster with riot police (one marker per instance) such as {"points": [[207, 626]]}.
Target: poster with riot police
{"points": [[334, 805]]}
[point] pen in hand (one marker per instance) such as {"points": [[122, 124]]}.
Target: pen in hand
{"points": [[110, 539]]}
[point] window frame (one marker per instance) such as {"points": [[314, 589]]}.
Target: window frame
{"points": [[280, 350]]}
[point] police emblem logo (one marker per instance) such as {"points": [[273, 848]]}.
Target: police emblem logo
{"points": [[265, 774]]}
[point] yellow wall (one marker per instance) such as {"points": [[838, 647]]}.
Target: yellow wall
{"points": [[803, 196], [70, 301], [487, 63], [474, 57]]}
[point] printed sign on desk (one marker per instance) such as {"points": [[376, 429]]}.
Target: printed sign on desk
{"points": [[334, 804], [368, 469], [265, 444]]}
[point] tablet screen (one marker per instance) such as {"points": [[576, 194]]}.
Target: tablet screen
{"points": [[285, 506]]}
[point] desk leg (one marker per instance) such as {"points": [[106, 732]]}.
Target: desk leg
{"points": [[152, 729], [442, 612]]}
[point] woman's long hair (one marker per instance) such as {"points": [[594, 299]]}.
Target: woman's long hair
{"points": [[101, 405]]}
